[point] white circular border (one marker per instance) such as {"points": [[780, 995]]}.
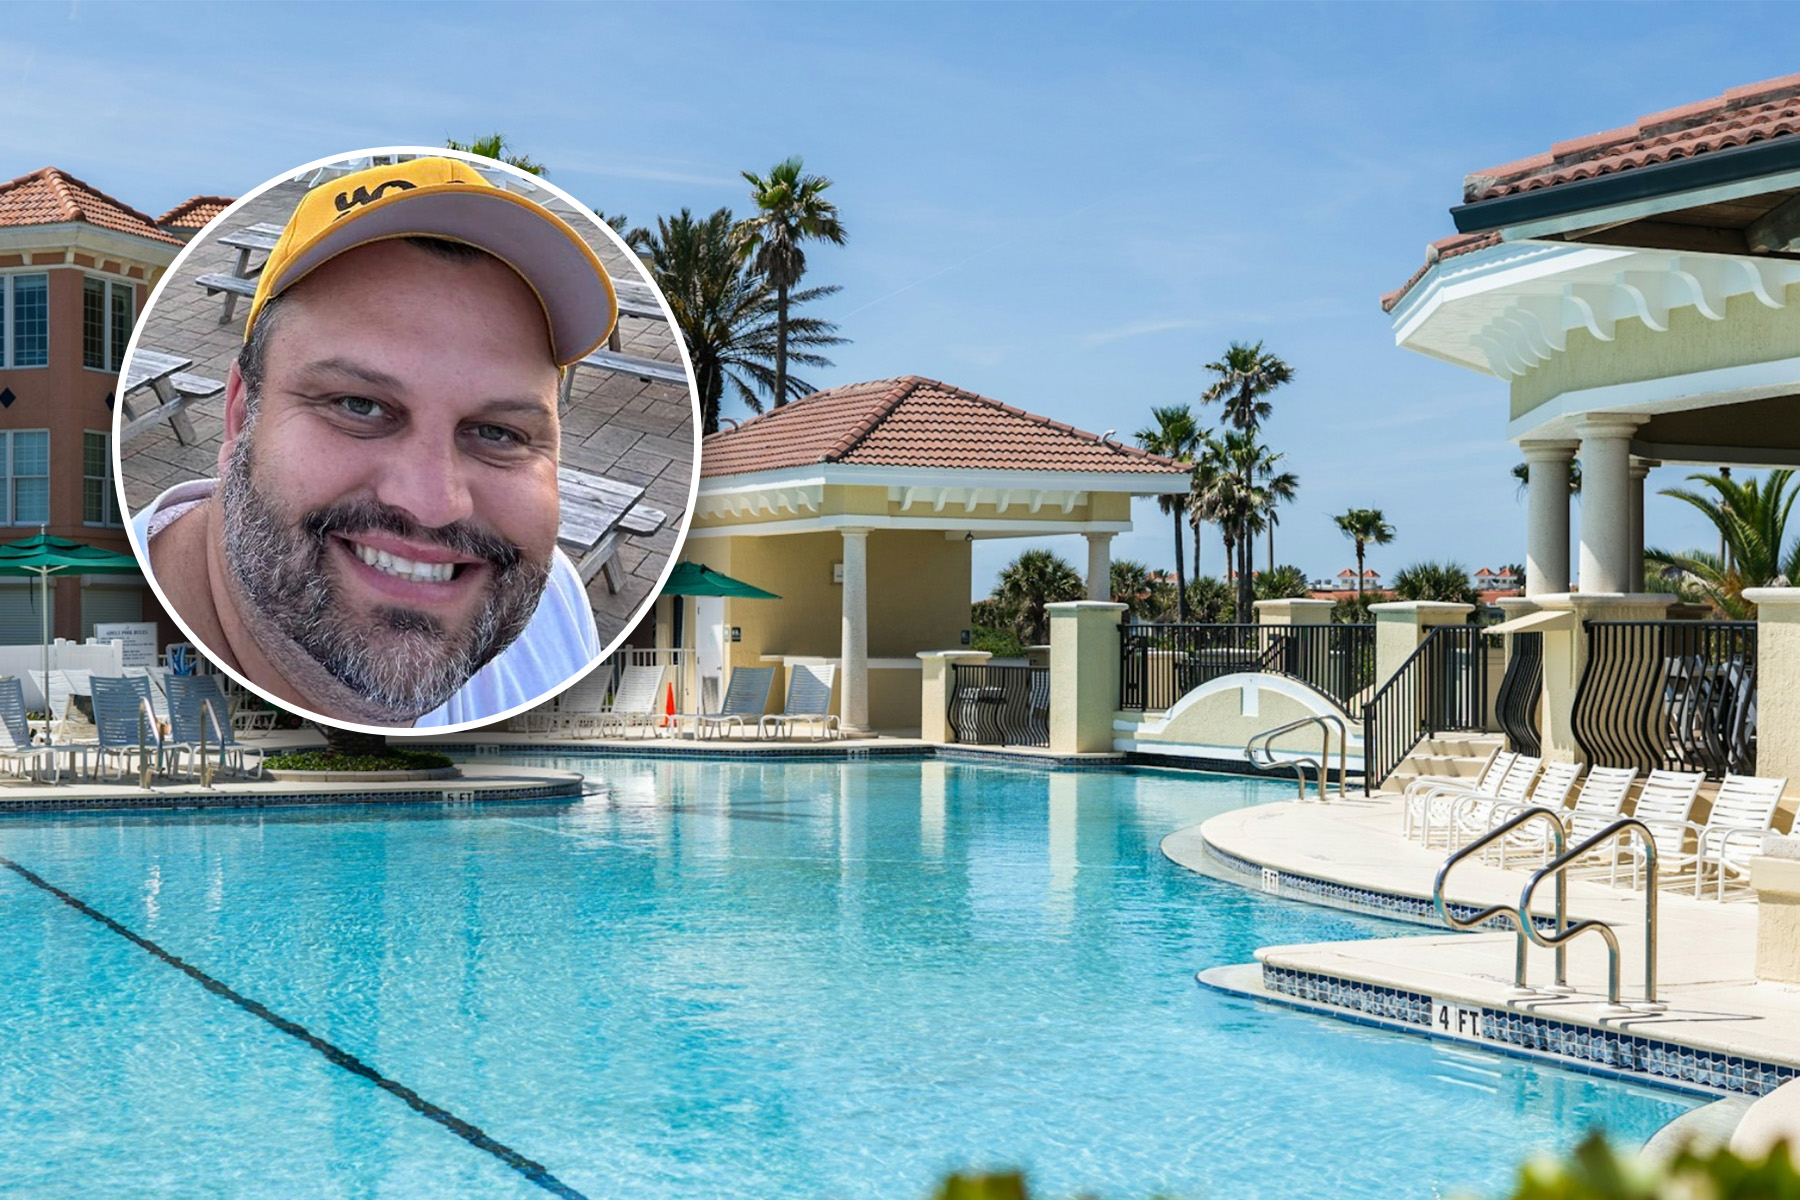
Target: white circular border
{"points": [[485, 164]]}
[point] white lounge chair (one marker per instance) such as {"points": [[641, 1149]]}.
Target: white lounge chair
{"points": [[808, 701], [1449, 808], [1665, 803], [1742, 812], [1487, 781], [581, 705], [1550, 790], [1600, 802], [636, 703], [16, 749]]}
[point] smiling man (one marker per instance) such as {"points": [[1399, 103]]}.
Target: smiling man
{"points": [[380, 546]]}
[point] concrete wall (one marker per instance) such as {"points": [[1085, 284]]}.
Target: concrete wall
{"points": [[1225, 713]]}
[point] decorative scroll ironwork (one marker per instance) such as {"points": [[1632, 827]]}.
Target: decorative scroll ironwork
{"points": [[1516, 707], [1441, 687], [1000, 706], [1679, 695], [1159, 664]]}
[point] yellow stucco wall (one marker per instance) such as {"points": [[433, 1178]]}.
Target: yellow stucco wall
{"points": [[1750, 332]]}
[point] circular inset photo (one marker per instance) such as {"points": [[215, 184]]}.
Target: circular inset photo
{"points": [[408, 440]]}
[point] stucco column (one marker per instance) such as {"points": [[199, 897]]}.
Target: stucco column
{"points": [[853, 686], [1099, 572], [1400, 625], [937, 674], [1084, 675], [1547, 531], [1640, 468], [1606, 502], [1777, 682]]}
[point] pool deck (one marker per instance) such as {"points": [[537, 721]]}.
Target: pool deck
{"points": [[1350, 854]]}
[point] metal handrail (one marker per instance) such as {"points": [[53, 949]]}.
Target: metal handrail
{"points": [[147, 716], [1324, 721], [1520, 916], [1559, 867]]}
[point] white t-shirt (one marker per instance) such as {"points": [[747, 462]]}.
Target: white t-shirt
{"points": [[559, 642]]}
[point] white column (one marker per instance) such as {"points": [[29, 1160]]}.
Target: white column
{"points": [[1640, 467], [853, 682], [1606, 502], [1547, 535], [1099, 573]]}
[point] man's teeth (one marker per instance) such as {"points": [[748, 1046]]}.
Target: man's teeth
{"points": [[405, 568]]}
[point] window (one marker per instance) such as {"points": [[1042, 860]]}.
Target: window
{"points": [[105, 323], [28, 477], [99, 500], [24, 320]]}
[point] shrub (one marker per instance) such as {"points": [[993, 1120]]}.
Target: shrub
{"points": [[395, 759]]}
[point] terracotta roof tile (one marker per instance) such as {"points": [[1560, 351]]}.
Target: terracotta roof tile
{"points": [[914, 422], [194, 212], [1436, 252], [1752, 113], [48, 196]]}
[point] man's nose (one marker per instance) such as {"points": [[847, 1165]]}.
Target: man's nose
{"points": [[426, 478]]}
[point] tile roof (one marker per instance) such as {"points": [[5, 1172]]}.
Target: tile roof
{"points": [[1436, 252], [914, 422], [1753, 113], [194, 212], [48, 196]]}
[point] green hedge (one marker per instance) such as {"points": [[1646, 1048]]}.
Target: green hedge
{"points": [[394, 760]]}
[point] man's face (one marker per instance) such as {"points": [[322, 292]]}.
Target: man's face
{"points": [[390, 497]]}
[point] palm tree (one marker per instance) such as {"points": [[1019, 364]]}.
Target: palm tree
{"points": [[1751, 516], [1176, 435], [495, 146], [1286, 582], [1247, 485], [1522, 473], [1365, 527], [1243, 378], [1028, 583], [791, 209], [1436, 581], [727, 312]]}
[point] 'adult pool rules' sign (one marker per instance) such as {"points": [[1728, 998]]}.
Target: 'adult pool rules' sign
{"points": [[1453, 1020], [137, 640]]}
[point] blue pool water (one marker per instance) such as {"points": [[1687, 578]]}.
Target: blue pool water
{"points": [[715, 980]]}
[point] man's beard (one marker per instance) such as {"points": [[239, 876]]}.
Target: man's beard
{"points": [[403, 662]]}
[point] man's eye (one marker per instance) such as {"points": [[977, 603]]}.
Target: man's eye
{"points": [[498, 435], [359, 406]]}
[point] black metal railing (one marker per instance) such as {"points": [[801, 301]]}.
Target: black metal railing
{"points": [[1159, 664], [1000, 706], [1521, 688], [1441, 688], [1679, 695]]}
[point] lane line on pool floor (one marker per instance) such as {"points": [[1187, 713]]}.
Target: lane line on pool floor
{"points": [[536, 1172]]}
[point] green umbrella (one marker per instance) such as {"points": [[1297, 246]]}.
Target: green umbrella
{"points": [[44, 556], [698, 579]]}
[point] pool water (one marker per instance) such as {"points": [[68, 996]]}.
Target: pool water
{"points": [[714, 979]]}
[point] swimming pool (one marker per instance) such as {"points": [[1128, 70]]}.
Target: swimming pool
{"points": [[718, 979]]}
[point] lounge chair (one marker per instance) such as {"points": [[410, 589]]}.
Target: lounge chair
{"points": [[808, 700], [15, 736], [126, 727], [636, 702], [1550, 790], [200, 715], [745, 699], [581, 704], [1742, 812], [1448, 807], [1414, 798], [1665, 803], [1600, 802]]}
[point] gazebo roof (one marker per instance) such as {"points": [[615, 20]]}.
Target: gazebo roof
{"points": [[194, 212], [48, 196], [916, 422]]}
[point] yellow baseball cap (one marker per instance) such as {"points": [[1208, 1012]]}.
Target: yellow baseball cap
{"points": [[447, 198]]}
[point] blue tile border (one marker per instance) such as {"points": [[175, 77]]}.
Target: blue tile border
{"points": [[1619, 1053], [570, 790]]}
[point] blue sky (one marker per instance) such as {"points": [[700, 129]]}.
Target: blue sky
{"points": [[1068, 208]]}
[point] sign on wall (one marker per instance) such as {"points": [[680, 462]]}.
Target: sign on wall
{"points": [[137, 640]]}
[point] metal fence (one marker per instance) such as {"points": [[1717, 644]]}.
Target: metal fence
{"points": [[1000, 706], [1440, 688], [1516, 707], [1159, 664], [1679, 695]]}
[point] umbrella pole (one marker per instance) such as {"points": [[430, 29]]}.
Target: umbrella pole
{"points": [[49, 722]]}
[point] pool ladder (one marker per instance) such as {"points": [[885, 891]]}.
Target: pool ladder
{"points": [[1561, 932], [1261, 755]]}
